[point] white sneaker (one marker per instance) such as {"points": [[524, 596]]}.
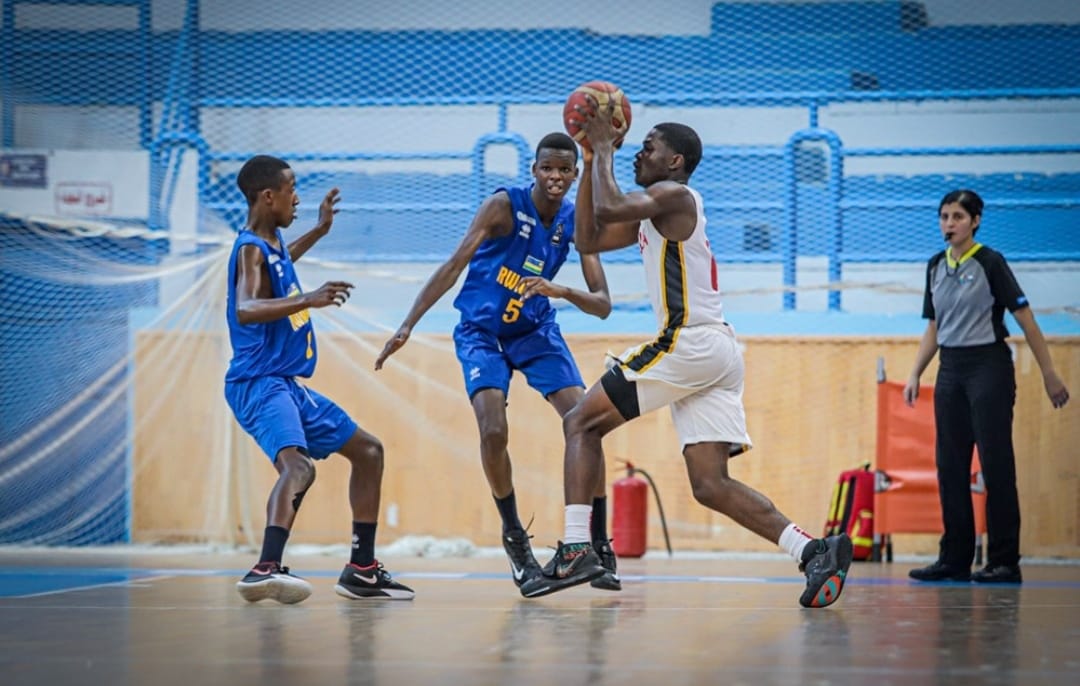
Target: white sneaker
{"points": [[271, 580]]}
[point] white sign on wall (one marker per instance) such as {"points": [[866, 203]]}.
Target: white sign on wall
{"points": [[95, 184]]}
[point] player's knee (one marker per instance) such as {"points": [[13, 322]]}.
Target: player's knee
{"points": [[494, 437], [298, 469], [368, 453], [711, 491], [576, 423]]}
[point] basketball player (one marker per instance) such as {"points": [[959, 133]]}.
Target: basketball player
{"points": [[515, 245], [273, 344], [694, 364]]}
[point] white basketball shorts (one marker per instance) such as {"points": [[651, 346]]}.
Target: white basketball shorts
{"points": [[698, 372]]}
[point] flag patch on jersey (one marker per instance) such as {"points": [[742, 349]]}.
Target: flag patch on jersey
{"points": [[533, 265]]}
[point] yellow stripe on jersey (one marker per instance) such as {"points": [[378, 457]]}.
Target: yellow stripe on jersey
{"points": [[676, 308]]}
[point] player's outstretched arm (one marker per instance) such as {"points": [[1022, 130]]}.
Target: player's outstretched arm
{"points": [[327, 210], [491, 220], [255, 303], [596, 302]]}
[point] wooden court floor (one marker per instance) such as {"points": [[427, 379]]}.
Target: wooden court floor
{"points": [[117, 618]]}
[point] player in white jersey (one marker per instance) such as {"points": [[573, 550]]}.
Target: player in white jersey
{"points": [[694, 365]]}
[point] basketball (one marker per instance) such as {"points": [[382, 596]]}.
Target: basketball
{"points": [[603, 91]]}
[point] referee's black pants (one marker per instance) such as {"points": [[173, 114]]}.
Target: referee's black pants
{"points": [[973, 405]]}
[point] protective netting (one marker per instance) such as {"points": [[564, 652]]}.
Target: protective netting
{"points": [[831, 130]]}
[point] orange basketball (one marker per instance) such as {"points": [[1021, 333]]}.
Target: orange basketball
{"points": [[603, 92]]}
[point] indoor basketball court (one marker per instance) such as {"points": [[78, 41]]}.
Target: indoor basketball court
{"points": [[90, 617], [828, 132]]}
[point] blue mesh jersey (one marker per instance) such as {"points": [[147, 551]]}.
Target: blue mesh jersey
{"points": [[489, 298], [284, 347]]}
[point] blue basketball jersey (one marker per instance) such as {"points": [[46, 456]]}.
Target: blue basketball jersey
{"points": [[491, 295], [284, 347]]}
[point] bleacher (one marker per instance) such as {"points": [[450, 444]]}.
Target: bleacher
{"points": [[751, 48], [762, 54]]}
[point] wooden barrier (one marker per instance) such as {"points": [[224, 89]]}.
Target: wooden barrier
{"points": [[810, 404]]}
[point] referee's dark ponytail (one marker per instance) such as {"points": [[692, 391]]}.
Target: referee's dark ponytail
{"points": [[968, 199]]}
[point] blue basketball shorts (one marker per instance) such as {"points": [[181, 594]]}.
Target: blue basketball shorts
{"points": [[279, 413], [542, 355]]}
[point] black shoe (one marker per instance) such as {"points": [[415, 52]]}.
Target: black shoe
{"points": [[523, 565], [271, 580], [573, 564], [372, 581], [825, 563], [939, 571], [610, 581], [998, 574]]}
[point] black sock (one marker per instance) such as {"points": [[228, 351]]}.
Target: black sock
{"points": [[274, 544], [598, 523], [363, 544], [508, 511]]}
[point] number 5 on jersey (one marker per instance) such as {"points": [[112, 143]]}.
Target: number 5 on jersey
{"points": [[513, 311]]}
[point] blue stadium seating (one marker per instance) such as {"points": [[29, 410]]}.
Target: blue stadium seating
{"points": [[753, 47]]}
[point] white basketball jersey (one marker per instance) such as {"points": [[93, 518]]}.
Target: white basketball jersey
{"points": [[681, 276]]}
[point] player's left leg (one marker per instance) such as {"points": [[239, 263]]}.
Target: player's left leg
{"points": [[575, 561], [563, 401], [709, 422], [330, 430], [545, 359]]}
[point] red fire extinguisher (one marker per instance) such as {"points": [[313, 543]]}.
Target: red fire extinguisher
{"points": [[629, 513]]}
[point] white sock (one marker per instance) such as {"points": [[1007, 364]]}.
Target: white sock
{"points": [[577, 523], [794, 540]]}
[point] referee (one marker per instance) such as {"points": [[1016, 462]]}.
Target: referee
{"points": [[968, 288]]}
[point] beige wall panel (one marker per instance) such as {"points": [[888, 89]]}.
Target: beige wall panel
{"points": [[810, 405]]}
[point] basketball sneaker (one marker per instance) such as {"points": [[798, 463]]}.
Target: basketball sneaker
{"points": [[610, 580], [573, 564], [271, 580], [372, 581], [523, 565], [825, 563]]}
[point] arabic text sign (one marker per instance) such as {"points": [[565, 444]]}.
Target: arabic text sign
{"points": [[82, 199]]}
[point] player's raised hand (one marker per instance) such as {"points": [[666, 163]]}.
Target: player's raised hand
{"points": [[328, 208], [538, 285], [400, 337], [598, 123], [330, 293]]}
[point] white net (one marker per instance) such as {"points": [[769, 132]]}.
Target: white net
{"points": [[831, 131]]}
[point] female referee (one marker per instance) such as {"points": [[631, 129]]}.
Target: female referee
{"points": [[968, 288]]}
